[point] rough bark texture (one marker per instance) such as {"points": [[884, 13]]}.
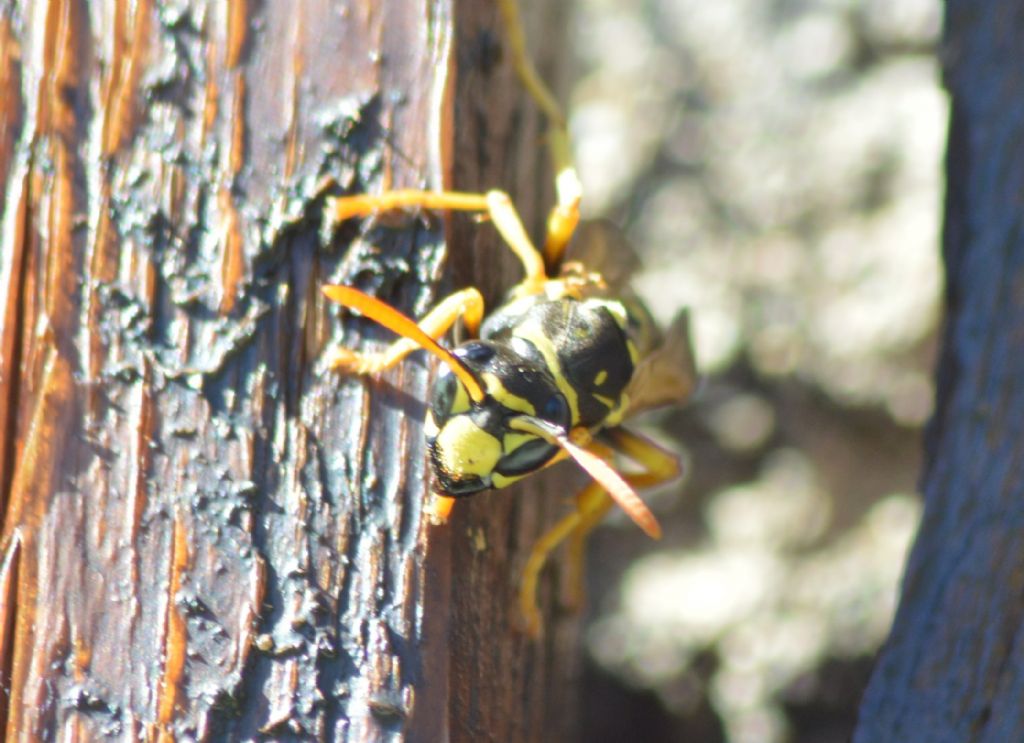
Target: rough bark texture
{"points": [[953, 668], [206, 534]]}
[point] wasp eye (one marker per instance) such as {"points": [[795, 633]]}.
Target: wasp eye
{"points": [[555, 410], [443, 395], [476, 351], [526, 458]]}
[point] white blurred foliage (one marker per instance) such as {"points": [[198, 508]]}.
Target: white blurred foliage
{"points": [[771, 607], [782, 162], [796, 192]]}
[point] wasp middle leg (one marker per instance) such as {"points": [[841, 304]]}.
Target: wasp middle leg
{"points": [[496, 204]]}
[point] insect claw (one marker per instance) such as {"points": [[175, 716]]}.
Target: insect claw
{"points": [[438, 509]]}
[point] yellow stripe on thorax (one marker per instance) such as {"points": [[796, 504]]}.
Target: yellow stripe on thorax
{"points": [[511, 401], [532, 331]]}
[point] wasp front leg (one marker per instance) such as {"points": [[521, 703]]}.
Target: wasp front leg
{"points": [[467, 304], [592, 505]]}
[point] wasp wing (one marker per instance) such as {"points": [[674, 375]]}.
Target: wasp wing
{"points": [[667, 375], [599, 245]]}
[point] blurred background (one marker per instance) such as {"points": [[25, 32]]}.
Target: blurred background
{"points": [[778, 165]]}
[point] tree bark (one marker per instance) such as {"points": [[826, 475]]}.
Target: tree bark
{"points": [[206, 533], [953, 667]]}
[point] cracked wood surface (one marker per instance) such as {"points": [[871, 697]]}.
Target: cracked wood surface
{"points": [[205, 534], [953, 666]]}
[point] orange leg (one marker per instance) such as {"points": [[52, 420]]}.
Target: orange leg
{"points": [[660, 466], [439, 508], [565, 215], [592, 505], [562, 219], [467, 304], [496, 204]]}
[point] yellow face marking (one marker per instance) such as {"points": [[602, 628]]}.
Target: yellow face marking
{"points": [[465, 449], [599, 379], [606, 401], [501, 481], [513, 402], [533, 332], [461, 402], [512, 441]]}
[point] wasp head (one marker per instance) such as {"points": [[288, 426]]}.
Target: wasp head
{"points": [[474, 444]]}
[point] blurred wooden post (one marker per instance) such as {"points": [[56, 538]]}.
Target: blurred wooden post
{"points": [[953, 667], [205, 534]]}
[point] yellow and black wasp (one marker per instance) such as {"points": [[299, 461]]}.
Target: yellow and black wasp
{"points": [[550, 374]]}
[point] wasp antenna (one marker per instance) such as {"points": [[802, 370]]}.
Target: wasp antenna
{"points": [[602, 472], [393, 320], [620, 490]]}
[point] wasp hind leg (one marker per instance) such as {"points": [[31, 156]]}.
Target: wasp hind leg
{"points": [[565, 215], [592, 505], [590, 498]]}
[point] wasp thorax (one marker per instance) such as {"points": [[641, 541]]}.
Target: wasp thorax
{"points": [[471, 444]]}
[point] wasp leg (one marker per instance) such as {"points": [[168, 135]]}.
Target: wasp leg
{"points": [[592, 505], [660, 466], [467, 304], [593, 494], [496, 204], [565, 215], [439, 508]]}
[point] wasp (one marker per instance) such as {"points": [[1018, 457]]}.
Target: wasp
{"points": [[550, 374]]}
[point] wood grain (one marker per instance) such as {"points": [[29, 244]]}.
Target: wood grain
{"points": [[205, 533], [953, 667]]}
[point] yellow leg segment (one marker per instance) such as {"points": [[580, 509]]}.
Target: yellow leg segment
{"points": [[543, 547], [363, 205], [496, 204], [566, 214], [592, 505], [467, 304], [660, 465], [528, 75]]}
